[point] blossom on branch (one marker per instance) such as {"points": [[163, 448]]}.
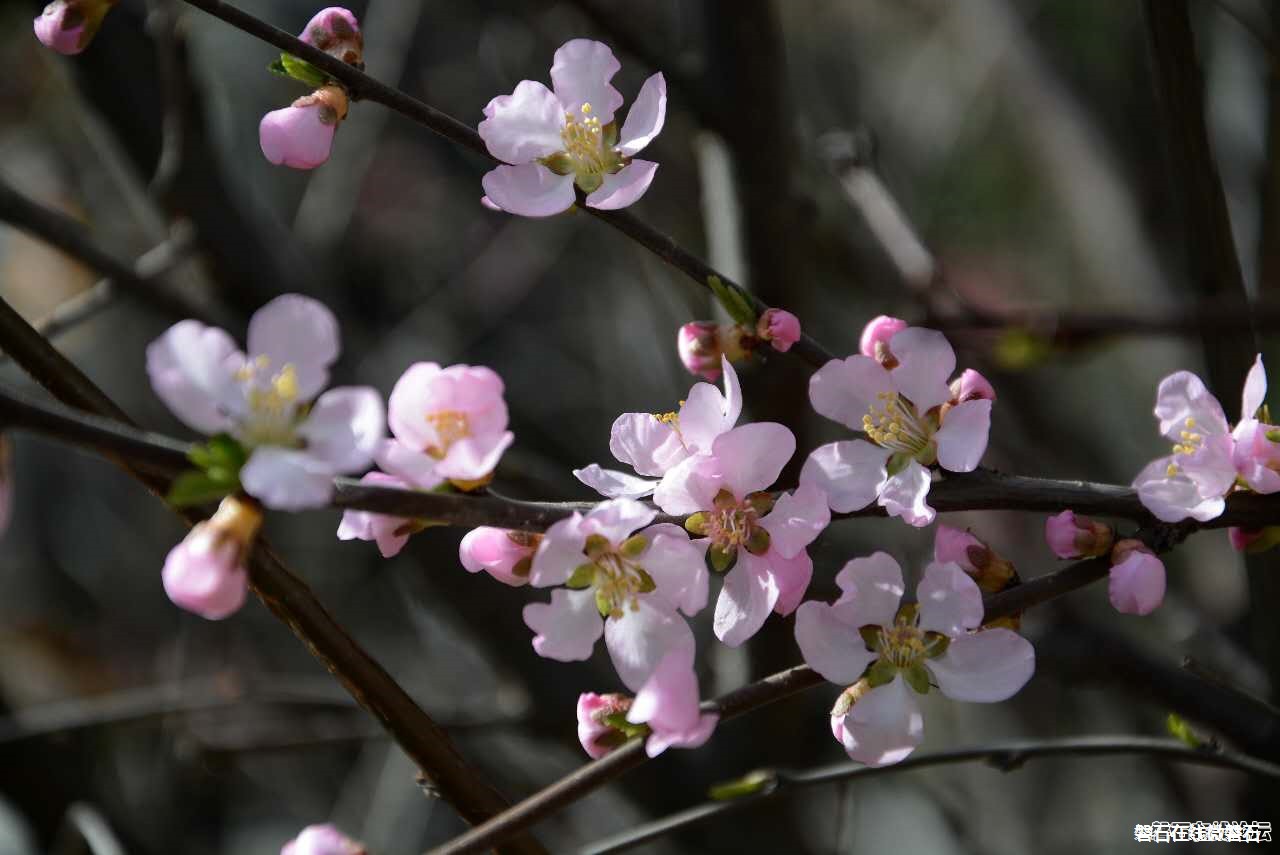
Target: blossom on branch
{"points": [[616, 575], [553, 140], [322, 840], [911, 418], [269, 399], [1137, 581], [992, 572], [887, 652], [602, 722], [205, 574], [1072, 536], [68, 26], [505, 555], [388, 532], [778, 327], [668, 704]]}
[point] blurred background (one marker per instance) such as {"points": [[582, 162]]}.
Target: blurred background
{"points": [[1023, 141]]}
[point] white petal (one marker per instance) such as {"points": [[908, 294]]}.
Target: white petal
{"points": [[797, 519], [925, 361], [189, 370], [985, 667], [644, 443], [581, 73], [345, 427], [874, 587], [829, 645], [962, 440], [706, 414], [617, 519], [904, 495], [950, 601], [1182, 396], [646, 116], [851, 473], [750, 457], [525, 125], [684, 489], [749, 594], [640, 639], [624, 187], [406, 462], [1172, 498], [1255, 390], [568, 627], [612, 483], [296, 330], [474, 458], [677, 566], [884, 726], [530, 190], [287, 480], [846, 390], [559, 553]]}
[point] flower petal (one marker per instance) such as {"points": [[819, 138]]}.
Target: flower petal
{"points": [[1255, 390], [677, 566], [797, 519], [749, 593], [925, 361], [830, 645], [408, 463], [750, 457], [1253, 457], [384, 530], [644, 443], [296, 330], [645, 118], [624, 187], [883, 727], [687, 487], [617, 519], [986, 667], [559, 553], [1137, 584], [1173, 498], [568, 627], [874, 585], [851, 473], [962, 439], [287, 480], [846, 390], [473, 458], [298, 137], [581, 73], [345, 427], [792, 576], [904, 494], [530, 190], [1182, 396], [640, 639], [189, 370], [706, 413], [523, 126], [612, 483], [950, 601]]}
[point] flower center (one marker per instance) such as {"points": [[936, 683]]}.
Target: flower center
{"points": [[892, 423], [450, 426], [903, 649], [732, 526], [902, 644], [615, 574], [584, 143], [273, 404], [1191, 443]]}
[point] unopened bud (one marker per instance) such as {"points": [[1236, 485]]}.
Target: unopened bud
{"points": [[698, 343], [876, 336], [598, 736], [322, 840], [1137, 582], [336, 31], [205, 573], [991, 571], [1072, 536], [68, 26], [971, 386], [301, 136], [505, 555], [778, 327]]}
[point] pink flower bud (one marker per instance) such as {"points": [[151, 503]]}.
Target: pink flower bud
{"points": [[336, 31], [989, 570], [1137, 578], [6, 481], [205, 574], [598, 738], [1242, 538], [971, 386], [390, 533], [876, 335], [780, 328], [300, 136], [68, 26], [1071, 536], [698, 343], [322, 840], [505, 555]]}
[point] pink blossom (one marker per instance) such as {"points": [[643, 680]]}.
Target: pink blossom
{"points": [[668, 703], [616, 567], [1137, 579], [553, 140], [67, 26], [780, 328], [760, 545], [698, 344], [449, 424], [300, 136], [322, 840], [912, 648], [991, 572], [336, 31], [1071, 536], [205, 573], [876, 336], [901, 410], [6, 482], [663, 449], [505, 555], [390, 533], [597, 737], [269, 399], [971, 386]]}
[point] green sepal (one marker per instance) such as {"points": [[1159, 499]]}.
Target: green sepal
{"points": [[897, 462], [560, 163], [870, 636], [761, 502], [1274, 435], [589, 183], [299, 70], [610, 134], [522, 568], [1178, 728], [630, 730], [758, 542], [724, 501], [604, 603], [196, 488], [633, 547], [721, 560], [935, 644], [582, 576], [748, 785], [646, 581], [734, 302], [696, 523], [881, 673], [917, 678], [597, 546]]}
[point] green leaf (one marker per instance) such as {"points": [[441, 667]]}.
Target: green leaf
{"points": [[734, 302], [618, 721], [1181, 731], [300, 70], [195, 488], [748, 785]]}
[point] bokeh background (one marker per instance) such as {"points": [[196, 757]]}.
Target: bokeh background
{"points": [[1022, 139]]}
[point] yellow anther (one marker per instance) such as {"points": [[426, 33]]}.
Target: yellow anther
{"points": [[1171, 470], [586, 108], [286, 383], [1190, 422]]}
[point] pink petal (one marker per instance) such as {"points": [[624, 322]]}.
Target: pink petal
{"points": [[962, 439], [1137, 584], [530, 190], [493, 551], [624, 187], [792, 576], [986, 667], [706, 413], [1060, 532], [559, 553], [750, 457], [797, 519], [925, 361], [970, 386], [591, 730], [617, 519], [201, 576], [850, 473], [296, 330], [645, 118], [298, 137], [645, 444], [287, 480], [874, 586], [188, 368], [639, 639], [409, 464], [1255, 390], [846, 390], [950, 601], [1172, 498], [345, 428], [523, 126], [829, 644], [322, 840], [52, 30], [749, 593], [677, 566], [384, 530], [953, 545], [685, 489], [1183, 396], [780, 328], [568, 627], [1253, 457], [410, 402], [614, 484], [904, 495], [883, 727], [474, 458], [879, 330], [581, 73]]}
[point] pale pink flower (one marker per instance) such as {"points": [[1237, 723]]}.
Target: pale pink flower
{"points": [[761, 544], [267, 399], [668, 704], [698, 344], [622, 578], [662, 449], [1072, 536], [322, 840], [890, 652], [390, 533], [901, 410], [67, 26], [971, 386], [301, 136], [1137, 581], [596, 736], [505, 555], [552, 140], [336, 31], [875, 338], [448, 424], [780, 328], [205, 574]]}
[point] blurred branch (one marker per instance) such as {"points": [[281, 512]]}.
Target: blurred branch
{"points": [[1004, 756], [362, 86], [161, 24], [289, 598], [85, 829]]}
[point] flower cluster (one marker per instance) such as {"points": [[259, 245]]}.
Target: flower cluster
{"points": [[703, 344]]}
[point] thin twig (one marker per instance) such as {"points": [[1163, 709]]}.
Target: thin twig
{"points": [[1005, 756]]}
